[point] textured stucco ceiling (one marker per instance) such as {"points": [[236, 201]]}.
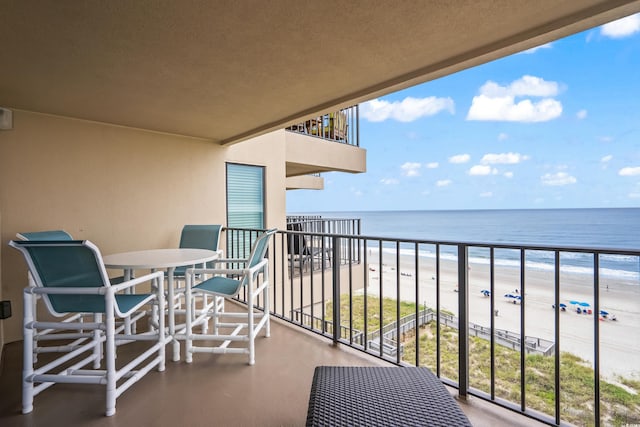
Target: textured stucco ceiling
{"points": [[228, 70]]}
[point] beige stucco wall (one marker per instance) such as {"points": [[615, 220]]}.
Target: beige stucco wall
{"points": [[122, 188], [307, 154]]}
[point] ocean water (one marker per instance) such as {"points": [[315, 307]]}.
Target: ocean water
{"points": [[592, 228]]}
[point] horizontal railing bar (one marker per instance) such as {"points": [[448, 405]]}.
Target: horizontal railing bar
{"points": [[487, 245]]}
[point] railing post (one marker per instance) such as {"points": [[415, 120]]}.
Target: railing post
{"points": [[336, 289], [463, 321], [357, 125]]}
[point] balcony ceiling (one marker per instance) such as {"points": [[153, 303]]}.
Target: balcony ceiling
{"points": [[229, 70]]}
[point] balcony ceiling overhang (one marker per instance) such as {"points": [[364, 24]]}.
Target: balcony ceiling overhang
{"points": [[229, 70]]}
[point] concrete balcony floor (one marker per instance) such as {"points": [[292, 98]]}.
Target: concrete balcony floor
{"points": [[221, 390]]}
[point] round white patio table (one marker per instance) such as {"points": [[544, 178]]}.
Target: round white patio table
{"points": [[156, 259]]}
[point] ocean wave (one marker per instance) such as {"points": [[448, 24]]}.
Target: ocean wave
{"points": [[611, 266]]}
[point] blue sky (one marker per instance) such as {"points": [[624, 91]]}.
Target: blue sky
{"points": [[557, 126]]}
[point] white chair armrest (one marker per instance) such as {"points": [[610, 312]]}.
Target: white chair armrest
{"points": [[133, 282]]}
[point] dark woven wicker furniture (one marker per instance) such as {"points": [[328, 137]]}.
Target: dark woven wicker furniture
{"points": [[381, 396]]}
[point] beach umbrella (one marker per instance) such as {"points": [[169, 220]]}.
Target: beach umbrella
{"points": [[574, 302], [604, 313], [562, 305], [584, 304], [509, 296]]}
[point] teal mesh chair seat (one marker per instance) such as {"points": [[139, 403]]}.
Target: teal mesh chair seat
{"points": [[230, 277], [220, 285], [71, 278]]}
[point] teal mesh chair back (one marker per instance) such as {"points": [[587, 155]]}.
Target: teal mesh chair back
{"points": [[258, 251], [45, 235], [199, 237], [69, 264]]}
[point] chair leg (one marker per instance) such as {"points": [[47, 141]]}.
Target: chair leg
{"points": [[267, 325], [110, 355], [27, 370], [250, 322], [216, 314], [188, 343], [205, 303], [160, 319], [97, 345]]}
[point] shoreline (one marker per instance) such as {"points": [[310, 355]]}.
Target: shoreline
{"points": [[619, 339]]}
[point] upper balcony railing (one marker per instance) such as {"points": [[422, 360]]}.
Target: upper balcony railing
{"points": [[340, 126], [548, 339]]}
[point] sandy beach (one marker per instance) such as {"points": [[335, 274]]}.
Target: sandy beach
{"points": [[619, 339]]}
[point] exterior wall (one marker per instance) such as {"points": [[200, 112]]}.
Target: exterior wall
{"points": [[307, 182], [307, 154], [122, 188]]}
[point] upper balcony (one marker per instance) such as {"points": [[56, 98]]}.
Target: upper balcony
{"points": [[324, 143], [340, 126]]}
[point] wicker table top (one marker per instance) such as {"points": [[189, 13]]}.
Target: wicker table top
{"points": [[381, 396]]}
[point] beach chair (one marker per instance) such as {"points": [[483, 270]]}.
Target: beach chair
{"points": [[298, 251], [336, 128], [249, 274], [302, 254], [71, 278]]}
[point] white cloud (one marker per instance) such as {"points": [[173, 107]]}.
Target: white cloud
{"points": [[432, 165], [606, 139], [634, 195], [481, 170], [524, 86], [508, 174], [505, 109], [443, 182], [582, 114], [411, 169], [407, 110], [628, 171], [486, 194], [537, 48], [498, 103], [356, 192], [389, 181], [622, 27], [459, 158], [503, 158], [557, 179], [606, 158], [503, 137]]}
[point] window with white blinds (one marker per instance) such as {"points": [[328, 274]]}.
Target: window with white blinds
{"points": [[245, 196]]}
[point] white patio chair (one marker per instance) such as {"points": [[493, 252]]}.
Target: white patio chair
{"points": [[74, 339], [205, 236], [71, 278], [227, 282]]}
